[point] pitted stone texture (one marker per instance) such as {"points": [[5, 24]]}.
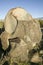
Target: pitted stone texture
{"points": [[20, 23], [12, 17], [20, 52]]}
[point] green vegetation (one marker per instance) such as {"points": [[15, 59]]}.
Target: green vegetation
{"points": [[41, 23], [1, 24]]}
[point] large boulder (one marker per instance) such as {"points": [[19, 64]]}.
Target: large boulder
{"points": [[21, 24]]}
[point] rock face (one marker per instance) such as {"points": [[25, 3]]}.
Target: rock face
{"points": [[19, 23], [20, 53], [36, 58], [4, 40]]}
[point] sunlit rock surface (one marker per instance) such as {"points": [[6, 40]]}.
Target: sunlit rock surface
{"points": [[4, 40], [36, 58], [19, 23]]}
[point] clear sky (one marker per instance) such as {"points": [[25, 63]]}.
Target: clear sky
{"points": [[34, 7]]}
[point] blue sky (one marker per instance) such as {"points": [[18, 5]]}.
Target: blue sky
{"points": [[34, 7]]}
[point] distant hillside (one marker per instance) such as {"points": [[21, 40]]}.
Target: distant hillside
{"points": [[40, 18]]}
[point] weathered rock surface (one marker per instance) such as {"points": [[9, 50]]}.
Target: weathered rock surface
{"points": [[18, 23], [36, 58], [4, 39], [20, 52], [21, 24]]}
